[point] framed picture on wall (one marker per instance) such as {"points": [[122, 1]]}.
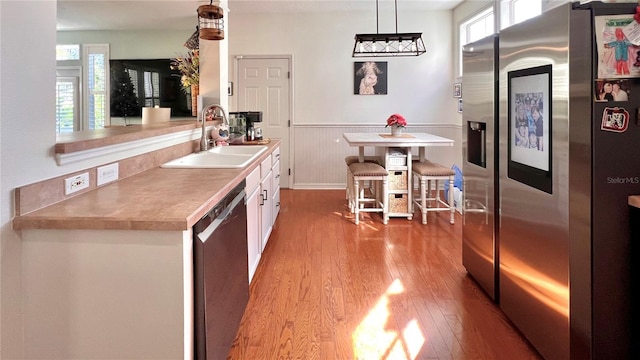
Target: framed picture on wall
{"points": [[529, 127], [370, 78], [457, 90]]}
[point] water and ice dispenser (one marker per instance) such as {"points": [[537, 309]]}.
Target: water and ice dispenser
{"points": [[477, 143]]}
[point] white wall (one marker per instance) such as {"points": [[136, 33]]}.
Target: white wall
{"points": [[420, 87], [27, 111], [1, 190], [462, 13]]}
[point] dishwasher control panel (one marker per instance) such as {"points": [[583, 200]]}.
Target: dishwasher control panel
{"points": [[219, 208]]}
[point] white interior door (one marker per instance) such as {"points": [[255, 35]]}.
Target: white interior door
{"points": [[264, 84]]}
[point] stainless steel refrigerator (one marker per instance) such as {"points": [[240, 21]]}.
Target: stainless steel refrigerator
{"points": [[480, 165], [567, 161]]}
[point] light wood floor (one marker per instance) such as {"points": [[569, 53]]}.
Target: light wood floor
{"points": [[328, 289]]}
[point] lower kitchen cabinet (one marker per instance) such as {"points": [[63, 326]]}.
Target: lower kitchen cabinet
{"points": [[266, 220], [263, 205], [253, 221], [275, 203]]}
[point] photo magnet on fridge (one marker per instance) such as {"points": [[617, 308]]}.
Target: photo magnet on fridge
{"points": [[612, 90], [615, 119]]}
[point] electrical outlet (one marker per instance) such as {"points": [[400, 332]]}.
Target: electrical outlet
{"points": [[107, 173], [76, 183]]}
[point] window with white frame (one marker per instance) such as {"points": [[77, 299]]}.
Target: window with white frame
{"points": [[68, 52], [477, 27], [68, 75], [82, 87], [516, 11], [96, 87], [67, 103], [151, 88]]}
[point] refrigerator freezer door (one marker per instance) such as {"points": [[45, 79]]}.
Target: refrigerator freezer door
{"points": [[479, 165]]}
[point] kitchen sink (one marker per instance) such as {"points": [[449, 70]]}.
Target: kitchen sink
{"points": [[238, 149], [221, 157]]}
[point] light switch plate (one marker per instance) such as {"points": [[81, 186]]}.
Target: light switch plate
{"points": [[107, 174]]}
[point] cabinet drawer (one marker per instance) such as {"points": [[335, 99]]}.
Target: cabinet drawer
{"points": [[275, 155], [253, 180], [265, 167]]}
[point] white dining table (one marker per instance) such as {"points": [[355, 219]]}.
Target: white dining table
{"points": [[384, 142], [404, 140]]}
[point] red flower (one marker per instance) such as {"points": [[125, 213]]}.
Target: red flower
{"points": [[397, 120]]}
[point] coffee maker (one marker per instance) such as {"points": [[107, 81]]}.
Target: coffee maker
{"points": [[253, 131]]}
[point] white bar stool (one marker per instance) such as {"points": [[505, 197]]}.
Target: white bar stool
{"points": [[378, 200], [354, 159], [426, 172]]}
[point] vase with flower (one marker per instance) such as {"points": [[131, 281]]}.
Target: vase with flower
{"points": [[396, 122], [189, 67]]}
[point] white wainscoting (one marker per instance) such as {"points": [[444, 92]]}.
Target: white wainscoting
{"points": [[319, 151]]}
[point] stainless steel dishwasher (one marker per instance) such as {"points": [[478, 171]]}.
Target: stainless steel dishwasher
{"points": [[221, 276]]}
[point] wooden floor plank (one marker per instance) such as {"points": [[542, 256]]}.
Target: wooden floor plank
{"points": [[326, 288]]}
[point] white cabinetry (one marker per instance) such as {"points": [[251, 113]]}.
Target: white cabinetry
{"points": [[254, 238], [263, 205], [275, 169], [266, 199]]}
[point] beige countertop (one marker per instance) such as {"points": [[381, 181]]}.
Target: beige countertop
{"points": [[634, 201], [157, 199]]}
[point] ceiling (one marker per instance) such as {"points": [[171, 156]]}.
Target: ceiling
{"points": [[181, 14]]}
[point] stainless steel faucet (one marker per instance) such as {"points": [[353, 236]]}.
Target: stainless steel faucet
{"points": [[204, 142]]}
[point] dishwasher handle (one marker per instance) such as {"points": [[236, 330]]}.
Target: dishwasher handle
{"points": [[206, 233]]}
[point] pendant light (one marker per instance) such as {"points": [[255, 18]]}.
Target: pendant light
{"points": [[193, 42], [390, 44], [211, 22]]}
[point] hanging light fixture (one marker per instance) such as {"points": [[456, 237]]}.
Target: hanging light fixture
{"points": [[211, 22], [393, 44], [193, 42]]}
